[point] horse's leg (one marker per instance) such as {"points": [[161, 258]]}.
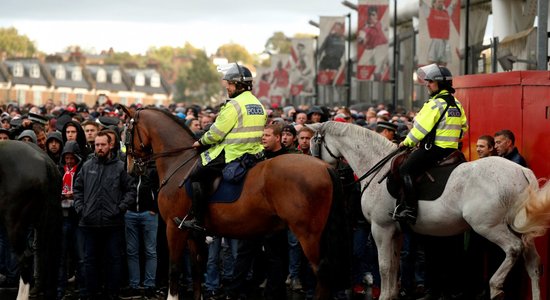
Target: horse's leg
{"points": [[532, 265], [177, 240], [388, 241], [26, 271], [199, 256], [512, 247], [311, 247]]}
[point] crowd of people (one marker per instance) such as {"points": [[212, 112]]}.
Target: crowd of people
{"points": [[113, 240]]}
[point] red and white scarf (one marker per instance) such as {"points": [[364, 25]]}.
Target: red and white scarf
{"points": [[68, 178]]}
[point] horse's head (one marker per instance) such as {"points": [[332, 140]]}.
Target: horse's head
{"points": [[138, 148], [153, 133], [319, 145]]}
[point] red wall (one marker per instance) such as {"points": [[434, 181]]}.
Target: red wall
{"points": [[518, 101]]}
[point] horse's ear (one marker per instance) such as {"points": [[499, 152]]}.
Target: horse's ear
{"points": [[315, 126], [126, 110]]}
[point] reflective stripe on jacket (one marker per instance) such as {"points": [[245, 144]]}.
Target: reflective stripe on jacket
{"points": [[238, 129], [450, 128]]}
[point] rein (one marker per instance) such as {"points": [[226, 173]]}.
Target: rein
{"points": [[319, 140], [141, 160], [376, 168]]}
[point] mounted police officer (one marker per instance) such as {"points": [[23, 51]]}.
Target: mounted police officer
{"points": [[438, 128], [237, 131]]}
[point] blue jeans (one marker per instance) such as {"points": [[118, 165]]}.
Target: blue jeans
{"points": [[103, 248], [412, 262], [8, 258], [294, 256], [360, 254], [141, 228], [212, 281], [228, 249], [69, 247]]}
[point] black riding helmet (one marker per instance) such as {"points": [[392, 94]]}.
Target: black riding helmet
{"points": [[235, 73]]}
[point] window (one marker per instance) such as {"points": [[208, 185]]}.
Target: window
{"points": [[79, 98], [34, 72], [116, 78], [140, 79], [123, 100], [60, 72], [64, 97], [101, 75], [37, 97], [76, 74], [18, 70], [21, 96], [155, 80]]}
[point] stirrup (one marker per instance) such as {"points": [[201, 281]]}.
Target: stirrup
{"points": [[394, 212], [188, 224], [406, 215]]}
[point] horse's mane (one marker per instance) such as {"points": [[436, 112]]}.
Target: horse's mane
{"points": [[360, 134], [176, 119]]}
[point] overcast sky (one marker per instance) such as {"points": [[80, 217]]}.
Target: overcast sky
{"points": [[136, 25]]}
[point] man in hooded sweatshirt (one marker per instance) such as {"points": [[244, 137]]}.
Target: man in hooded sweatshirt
{"points": [[70, 165], [54, 146]]}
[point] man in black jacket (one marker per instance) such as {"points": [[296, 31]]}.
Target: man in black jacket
{"points": [[505, 146], [102, 193], [141, 231]]}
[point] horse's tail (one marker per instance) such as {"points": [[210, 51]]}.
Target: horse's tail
{"points": [[335, 263], [48, 232], [531, 216]]}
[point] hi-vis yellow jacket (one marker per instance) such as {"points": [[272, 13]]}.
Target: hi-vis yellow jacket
{"points": [[450, 128], [238, 129]]}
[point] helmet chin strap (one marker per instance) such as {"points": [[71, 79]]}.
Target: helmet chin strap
{"points": [[237, 92]]}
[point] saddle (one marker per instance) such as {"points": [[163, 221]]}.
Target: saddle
{"points": [[227, 187], [430, 184]]}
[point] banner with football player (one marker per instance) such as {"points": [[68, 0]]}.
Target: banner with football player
{"points": [[302, 72], [280, 78], [331, 52], [372, 40], [439, 33]]}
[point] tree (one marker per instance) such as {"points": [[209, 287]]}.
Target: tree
{"points": [[278, 43], [15, 44], [125, 59], [199, 81], [235, 53]]}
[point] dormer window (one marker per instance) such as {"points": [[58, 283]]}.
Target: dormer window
{"points": [[101, 75], [140, 79], [116, 78], [34, 72], [155, 80], [18, 70], [60, 72], [76, 74]]}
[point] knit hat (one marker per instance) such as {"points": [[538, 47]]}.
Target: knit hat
{"points": [[290, 129]]}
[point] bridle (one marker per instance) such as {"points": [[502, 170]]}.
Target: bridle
{"points": [[145, 155], [319, 140]]}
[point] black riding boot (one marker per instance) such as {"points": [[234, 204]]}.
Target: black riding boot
{"points": [[407, 210], [195, 217]]}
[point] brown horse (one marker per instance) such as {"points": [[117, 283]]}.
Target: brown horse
{"points": [[292, 190]]}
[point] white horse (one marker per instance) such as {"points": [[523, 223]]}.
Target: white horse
{"points": [[490, 195]]}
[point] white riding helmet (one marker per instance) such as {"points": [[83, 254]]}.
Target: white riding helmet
{"points": [[434, 72]]}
